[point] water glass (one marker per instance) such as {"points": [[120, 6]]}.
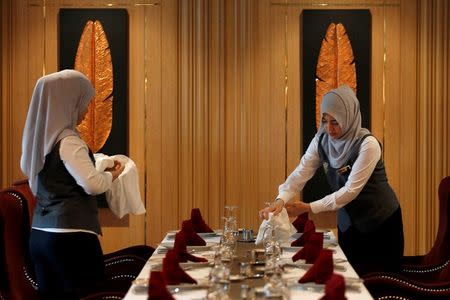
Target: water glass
{"points": [[247, 292], [245, 269], [230, 210], [275, 288], [219, 279]]}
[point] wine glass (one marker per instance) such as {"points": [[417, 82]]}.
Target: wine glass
{"points": [[275, 287], [219, 277], [229, 236], [230, 210]]}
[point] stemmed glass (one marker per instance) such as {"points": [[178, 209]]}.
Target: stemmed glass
{"points": [[274, 287], [229, 236], [219, 279], [270, 241], [230, 210], [219, 276], [230, 227]]}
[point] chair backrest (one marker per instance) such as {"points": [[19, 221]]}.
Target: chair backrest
{"points": [[440, 252], [16, 275]]}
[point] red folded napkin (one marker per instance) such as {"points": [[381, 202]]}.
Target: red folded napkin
{"points": [[310, 228], [321, 270], [197, 221], [335, 288], [310, 252], [192, 238], [157, 287], [172, 272], [181, 250], [300, 222]]}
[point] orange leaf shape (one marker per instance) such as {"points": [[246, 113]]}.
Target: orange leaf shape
{"points": [[93, 58], [335, 65]]}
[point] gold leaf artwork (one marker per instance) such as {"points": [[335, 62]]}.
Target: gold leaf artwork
{"points": [[93, 59], [335, 65]]}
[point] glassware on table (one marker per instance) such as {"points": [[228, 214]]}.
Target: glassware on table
{"points": [[231, 217], [247, 292], [275, 288], [219, 277], [225, 253], [230, 210], [271, 244], [247, 235], [229, 235]]}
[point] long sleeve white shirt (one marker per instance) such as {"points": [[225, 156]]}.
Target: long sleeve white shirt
{"points": [[75, 155], [362, 169]]}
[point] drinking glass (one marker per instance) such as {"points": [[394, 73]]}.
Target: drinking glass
{"points": [[230, 210], [229, 236], [275, 287], [219, 277]]}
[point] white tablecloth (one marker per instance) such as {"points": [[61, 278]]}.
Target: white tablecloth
{"points": [[201, 274]]}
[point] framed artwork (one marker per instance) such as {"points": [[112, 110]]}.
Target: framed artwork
{"points": [[314, 26], [95, 42]]}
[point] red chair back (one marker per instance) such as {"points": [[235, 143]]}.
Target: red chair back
{"points": [[16, 275], [440, 252]]}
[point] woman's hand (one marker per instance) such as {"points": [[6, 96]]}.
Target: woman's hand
{"points": [[296, 208], [116, 170], [275, 209]]}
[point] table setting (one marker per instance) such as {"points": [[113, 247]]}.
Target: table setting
{"points": [[280, 262]]}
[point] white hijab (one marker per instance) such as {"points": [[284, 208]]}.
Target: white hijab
{"points": [[341, 104], [58, 101]]}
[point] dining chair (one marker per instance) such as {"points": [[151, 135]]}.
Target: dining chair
{"points": [[383, 286], [422, 276], [16, 271], [428, 265]]}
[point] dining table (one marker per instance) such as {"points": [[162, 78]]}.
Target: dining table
{"points": [[247, 278]]}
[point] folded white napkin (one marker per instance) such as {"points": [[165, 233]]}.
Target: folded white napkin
{"points": [[283, 227], [124, 196]]}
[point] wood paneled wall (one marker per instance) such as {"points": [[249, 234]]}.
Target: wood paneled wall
{"points": [[215, 103], [432, 115]]}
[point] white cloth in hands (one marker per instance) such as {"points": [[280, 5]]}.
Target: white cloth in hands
{"points": [[283, 227], [124, 196]]}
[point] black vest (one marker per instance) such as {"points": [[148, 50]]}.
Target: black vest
{"points": [[376, 201], [61, 202]]}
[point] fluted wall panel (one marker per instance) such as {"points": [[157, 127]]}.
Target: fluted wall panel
{"points": [[433, 127]]}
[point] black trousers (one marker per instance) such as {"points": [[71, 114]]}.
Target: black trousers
{"points": [[380, 250], [67, 265]]}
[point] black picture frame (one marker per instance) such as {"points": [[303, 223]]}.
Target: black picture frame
{"points": [[314, 24], [115, 24]]}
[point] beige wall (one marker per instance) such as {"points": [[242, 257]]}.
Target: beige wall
{"points": [[215, 109]]}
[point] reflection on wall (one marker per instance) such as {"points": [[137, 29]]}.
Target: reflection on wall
{"points": [[94, 60], [335, 65]]}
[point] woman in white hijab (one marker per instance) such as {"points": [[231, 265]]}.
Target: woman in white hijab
{"points": [[369, 221], [64, 244]]}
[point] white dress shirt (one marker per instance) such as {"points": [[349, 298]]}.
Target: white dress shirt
{"points": [[75, 155], [369, 155]]}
